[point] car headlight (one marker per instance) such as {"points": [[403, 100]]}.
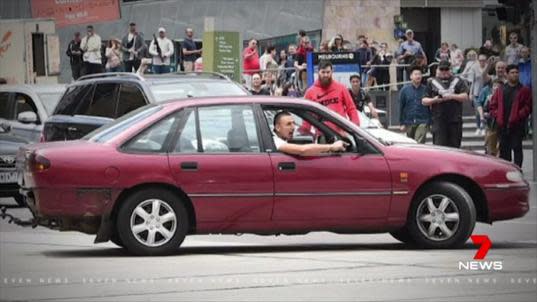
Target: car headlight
{"points": [[514, 176]]}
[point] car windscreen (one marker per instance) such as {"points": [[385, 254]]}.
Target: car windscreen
{"points": [[176, 90], [109, 131], [50, 100]]}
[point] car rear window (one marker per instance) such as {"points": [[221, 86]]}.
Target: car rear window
{"points": [[168, 91]]}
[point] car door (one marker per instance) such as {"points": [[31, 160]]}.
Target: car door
{"points": [[29, 131], [332, 188], [218, 161]]}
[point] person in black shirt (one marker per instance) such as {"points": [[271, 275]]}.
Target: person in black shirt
{"points": [[257, 89], [75, 56], [360, 96], [190, 51], [445, 94]]}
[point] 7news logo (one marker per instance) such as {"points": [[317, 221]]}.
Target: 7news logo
{"points": [[484, 244]]}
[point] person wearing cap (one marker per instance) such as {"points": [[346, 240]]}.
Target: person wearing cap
{"points": [[91, 46], [75, 56], [409, 49], [161, 60], [132, 45], [445, 95]]}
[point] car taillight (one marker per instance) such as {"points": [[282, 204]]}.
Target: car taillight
{"points": [[38, 163]]}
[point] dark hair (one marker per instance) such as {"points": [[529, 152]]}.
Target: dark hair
{"points": [[511, 67], [89, 27], [415, 67], [279, 116], [302, 33], [354, 76], [269, 49], [325, 64]]}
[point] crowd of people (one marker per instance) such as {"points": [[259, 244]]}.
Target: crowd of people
{"points": [[88, 54], [497, 81]]}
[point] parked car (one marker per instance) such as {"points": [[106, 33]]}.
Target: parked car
{"points": [[95, 100], [24, 108], [210, 166]]}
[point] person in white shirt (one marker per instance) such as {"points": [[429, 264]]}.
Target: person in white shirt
{"points": [[284, 128], [161, 59], [512, 51], [91, 46]]}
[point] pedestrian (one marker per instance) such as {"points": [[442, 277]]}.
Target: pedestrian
{"points": [[336, 44], [414, 117], [75, 56], [190, 50], [323, 47], [161, 49], [510, 106], [512, 51], [381, 74], [457, 58], [524, 67], [491, 132], [445, 94], [268, 58], [132, 45], [473, 74], [360, 97], [363, 52], [91, 46], [488, 50], [302, 51], [113, 55], [442, 53], [290, 62], [332, 94], [499, 70], [257, 87], [250, 62]]}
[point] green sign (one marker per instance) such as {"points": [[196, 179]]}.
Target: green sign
{"points": [[221, 53]]}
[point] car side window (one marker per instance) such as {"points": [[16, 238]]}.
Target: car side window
{"points": [[76, 100], [222, 129], [130, 98], [24, 103], [154, 138], [6, 111], [104, 100]]}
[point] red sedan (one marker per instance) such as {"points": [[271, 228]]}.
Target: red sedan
{"points": [[209, 166]]}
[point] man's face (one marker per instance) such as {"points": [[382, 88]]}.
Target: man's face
{"points": [[325, 76], [512, 75], [90, 31], [416, 76], [444, 73], [162, 34], [500, 69], [525, 53], [132, 29], [513, 38], [292, 50], [189, 32], [488, 44], [256, 80], [410, 36], [285, 127], [355, 83]]}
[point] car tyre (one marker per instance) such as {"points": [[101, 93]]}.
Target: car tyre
{"points": [[152, 222], [442, 215]]}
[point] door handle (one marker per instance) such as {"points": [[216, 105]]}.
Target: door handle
{"points": [[286, 166], [189, 166]]}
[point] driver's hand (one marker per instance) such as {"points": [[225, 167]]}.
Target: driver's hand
{"points": [[338, 146]]}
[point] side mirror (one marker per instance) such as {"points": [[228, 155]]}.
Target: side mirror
{"points": [[27, 117]]}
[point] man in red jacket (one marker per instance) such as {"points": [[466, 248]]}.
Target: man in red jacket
{"points": [[332, 94], [510, 106]]}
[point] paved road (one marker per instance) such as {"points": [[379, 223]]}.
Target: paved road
{"points": [[46, 265]]}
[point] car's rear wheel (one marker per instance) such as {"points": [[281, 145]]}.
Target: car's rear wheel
{"points": [[443, 215], [152, 222]]}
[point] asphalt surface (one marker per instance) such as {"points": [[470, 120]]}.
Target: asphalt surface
{"points": [[44, 265]]}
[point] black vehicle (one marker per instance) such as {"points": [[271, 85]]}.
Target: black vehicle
{"points": [[9, 145], [98, 99]]}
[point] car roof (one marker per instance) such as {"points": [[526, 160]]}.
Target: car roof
{"points": [[152, 78], [36, 88], [220, 100]]}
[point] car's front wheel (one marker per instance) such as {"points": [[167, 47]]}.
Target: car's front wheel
{"points": [[443, 215], [152, 222]]}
